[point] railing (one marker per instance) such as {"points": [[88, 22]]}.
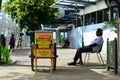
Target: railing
{"points": [[112, 55]]}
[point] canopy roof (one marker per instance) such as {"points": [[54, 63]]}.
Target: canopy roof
{"points": [[73, 4]]}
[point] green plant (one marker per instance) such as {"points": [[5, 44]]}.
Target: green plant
{"points": [[5, 55], [111, 24]]}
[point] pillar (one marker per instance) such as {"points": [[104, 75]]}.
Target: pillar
{"points": [[118, 45], [57, 37]]}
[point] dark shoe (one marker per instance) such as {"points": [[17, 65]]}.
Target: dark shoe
{"points": [[29, 56], [81, 63], [72, 63]]}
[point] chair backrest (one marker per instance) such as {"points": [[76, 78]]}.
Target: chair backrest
{"points": [[100, 49]]}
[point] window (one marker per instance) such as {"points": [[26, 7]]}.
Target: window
{"points": [[93, 18], [99, 16], [106, 15], [87, 19]]}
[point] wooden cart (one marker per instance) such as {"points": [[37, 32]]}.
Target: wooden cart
{"points": [[43, 48]]}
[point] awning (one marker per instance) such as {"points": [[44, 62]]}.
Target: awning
{"points": [[73, 4], [71, 17]]}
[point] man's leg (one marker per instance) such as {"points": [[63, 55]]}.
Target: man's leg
{"points": [[78, 55], [80, 51]]}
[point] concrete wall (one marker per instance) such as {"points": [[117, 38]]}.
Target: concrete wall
{"points": [[93, 8]]}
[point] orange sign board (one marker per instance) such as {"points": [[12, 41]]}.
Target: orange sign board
{"points": [[43, 52], [43, 36]]}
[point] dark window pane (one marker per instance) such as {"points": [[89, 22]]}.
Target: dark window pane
{"points": [[93, 18], [106, 14], [87, 19], [99, 16]]}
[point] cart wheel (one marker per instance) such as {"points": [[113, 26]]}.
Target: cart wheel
{"points": [[108, 68], [54, 58], [32, 58]]}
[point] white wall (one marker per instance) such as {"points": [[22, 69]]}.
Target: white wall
{"points": [[93, 8], [7, 27], [89, 33]]}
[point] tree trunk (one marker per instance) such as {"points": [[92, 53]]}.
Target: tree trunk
{"points": [[0, 4]]}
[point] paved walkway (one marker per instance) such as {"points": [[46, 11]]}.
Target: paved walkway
{"points": [[21, 70]]}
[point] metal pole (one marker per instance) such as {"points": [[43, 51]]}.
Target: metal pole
{"points": [[76, 15]]}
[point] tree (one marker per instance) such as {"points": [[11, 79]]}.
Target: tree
{"points": [[111, 24], [0, 4], [31, 13]]}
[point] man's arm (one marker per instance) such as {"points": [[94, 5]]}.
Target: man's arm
{"points": [[93, 45]]}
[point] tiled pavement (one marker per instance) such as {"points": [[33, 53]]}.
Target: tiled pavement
{"points": [[21, 70]]}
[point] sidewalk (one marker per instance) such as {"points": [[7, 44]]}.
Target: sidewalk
{"points": [[21, 70]]}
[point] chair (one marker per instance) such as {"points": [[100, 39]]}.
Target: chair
{"points": [[98, 53]]}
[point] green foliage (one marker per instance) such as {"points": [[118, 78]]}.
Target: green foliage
{"points": [[111, 24], [5, 55], [31, 13]]}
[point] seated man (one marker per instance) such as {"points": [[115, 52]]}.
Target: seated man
{"points": [[94, 46], [66, 43]]}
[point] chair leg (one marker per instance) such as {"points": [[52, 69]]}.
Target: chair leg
{"points": [[87, 56], [101, 58], [98, 56]]}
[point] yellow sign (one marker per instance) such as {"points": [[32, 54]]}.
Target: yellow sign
{"points": [[43, 36], [44, 43], [43, 52]]}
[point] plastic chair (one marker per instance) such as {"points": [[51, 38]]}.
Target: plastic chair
{"points": [[98, 53]]}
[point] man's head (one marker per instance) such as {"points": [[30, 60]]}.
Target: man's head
{"points": [[12, 34], [2, 35], [99, 32]]}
